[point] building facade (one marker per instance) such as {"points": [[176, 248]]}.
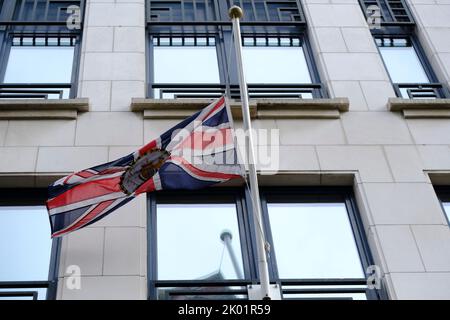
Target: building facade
{"points": [[354, 96]]}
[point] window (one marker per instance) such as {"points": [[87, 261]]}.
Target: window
{"points": [[392, 25], [190, 235], [196, 240], [402, 60], [27, 252], [407, 69], [192, 51], [446, 206], [41, 61], [39, 52], [186, 67], [202, 244], [444, 195]]}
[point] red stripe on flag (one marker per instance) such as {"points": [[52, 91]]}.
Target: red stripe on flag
{"points": [[149, 146], [85, 191], [91, 215]]}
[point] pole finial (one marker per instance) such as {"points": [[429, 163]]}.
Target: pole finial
{"points": [[226, 234], [235, 12]]}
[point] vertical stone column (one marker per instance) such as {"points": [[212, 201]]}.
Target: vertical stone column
{"points": [[433, 29], [347, 55], [111, 253], [404, 224]]}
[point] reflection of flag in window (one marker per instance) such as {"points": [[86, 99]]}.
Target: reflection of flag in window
{"points": [[198, 152]]}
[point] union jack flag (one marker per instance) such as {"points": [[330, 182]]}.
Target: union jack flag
{"points": [[196, 153]]}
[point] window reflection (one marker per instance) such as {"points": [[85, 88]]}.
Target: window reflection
{"points": [[314, 241], [190, 245], [25, 243]]}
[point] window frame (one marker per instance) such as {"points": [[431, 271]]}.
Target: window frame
{"points": [[32, 197], [222, 46], [10, 27], [152, 245], [441, 89], [247, 234], [5, 55], [392, 27], [217, 24]]}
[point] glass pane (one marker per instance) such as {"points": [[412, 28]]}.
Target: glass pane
{"points": [[190, 245], [25, 243], [447, 209], [275, 65], [403, 65], [185, 65], [314, 241], [40, 65]]}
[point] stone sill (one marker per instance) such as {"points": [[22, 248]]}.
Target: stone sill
{"points": [[42, 109], [421, 108], [259, 108]]}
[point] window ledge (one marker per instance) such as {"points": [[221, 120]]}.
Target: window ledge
{"points": [[42, 109], [259, 108], [421, 108]]}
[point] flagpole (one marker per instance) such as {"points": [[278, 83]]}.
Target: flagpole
{"points": [[236, 14]]}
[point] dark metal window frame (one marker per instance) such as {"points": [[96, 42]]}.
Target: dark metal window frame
{"points": [[443, 193], [247, 236], [389, 17], [219, 9], [31, 197], [11, 28]]}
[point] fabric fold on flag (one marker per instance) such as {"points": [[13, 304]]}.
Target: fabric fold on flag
{"points": [[197, 153]]}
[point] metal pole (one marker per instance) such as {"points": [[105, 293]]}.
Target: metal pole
{"points": [[226, 237], [235, 14]]}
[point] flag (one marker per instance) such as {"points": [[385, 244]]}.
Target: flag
{"points": [[197, 153]]}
